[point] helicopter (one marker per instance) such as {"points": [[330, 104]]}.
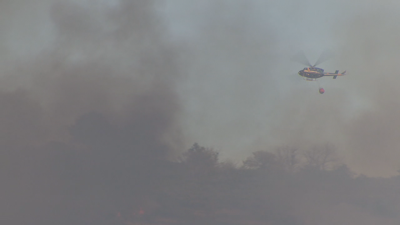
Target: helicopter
{"points": [[312, 73]]}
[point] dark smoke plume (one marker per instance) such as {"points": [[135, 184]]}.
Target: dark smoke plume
{"points": [[99, 101], [88, 122]]}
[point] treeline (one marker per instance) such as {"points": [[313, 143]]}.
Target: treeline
{"points": [[281, 187]]}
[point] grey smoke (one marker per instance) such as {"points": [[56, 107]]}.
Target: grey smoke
{"points": [[88, 119], [98, 101]]}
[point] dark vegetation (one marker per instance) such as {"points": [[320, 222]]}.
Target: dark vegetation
{"points": [[268, 188]]}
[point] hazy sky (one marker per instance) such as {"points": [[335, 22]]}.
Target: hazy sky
{"points": [[242, 92], [239, 90], [97, 97]]}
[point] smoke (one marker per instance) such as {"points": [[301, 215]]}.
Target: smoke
{"points": [[247, 97], [90, 117], [263, 103], [98, 100], [371, 135]]}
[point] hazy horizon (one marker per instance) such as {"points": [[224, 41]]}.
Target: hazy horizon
{"points": [[101, 101]]}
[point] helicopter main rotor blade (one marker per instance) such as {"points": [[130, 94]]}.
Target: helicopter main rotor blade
{"points": [[326, 55], [301, 58]]}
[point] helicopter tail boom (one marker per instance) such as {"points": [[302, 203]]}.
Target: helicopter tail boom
{"points": [[335, 74]]}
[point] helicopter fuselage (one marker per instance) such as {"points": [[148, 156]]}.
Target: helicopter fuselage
{"points": [[312, 72]]}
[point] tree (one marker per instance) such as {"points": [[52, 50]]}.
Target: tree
{"points": [[288, 158], [200, 158], [261, 160], [323, 158]]}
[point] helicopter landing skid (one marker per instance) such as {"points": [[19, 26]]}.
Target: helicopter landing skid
{"points": [[310, 79]]}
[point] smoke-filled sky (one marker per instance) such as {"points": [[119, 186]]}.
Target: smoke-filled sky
{"points": [[242, 92], [238, 89], [100, 98]]}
